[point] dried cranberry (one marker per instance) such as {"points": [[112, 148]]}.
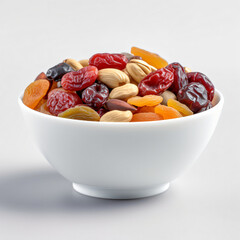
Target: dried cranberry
{"points": [[180, 77], [204, 80], [206, 107], [194, 95], [156, 82], [55, 73], [83, 78], [96, 95], [108, 60], [60, 100], [102, 111]]}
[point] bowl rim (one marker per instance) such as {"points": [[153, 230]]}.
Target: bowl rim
{"points": [[218, 105]]}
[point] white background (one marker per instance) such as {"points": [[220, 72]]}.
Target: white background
{"points": [[36, 202]]}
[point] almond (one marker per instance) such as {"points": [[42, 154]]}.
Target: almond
{"points": [[124, 92], [73, 63], [116, 104], [117, 116], [113, 77], [84, 62]]}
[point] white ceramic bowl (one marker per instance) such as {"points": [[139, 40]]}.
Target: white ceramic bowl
{"points": [[122, 160]]}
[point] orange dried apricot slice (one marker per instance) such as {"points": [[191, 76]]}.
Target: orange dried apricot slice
{"points": [[182, 108], [145, 109], [34, 92], [167, 112], [148, 100], [151, 58], [80, 113], [147, 116]]}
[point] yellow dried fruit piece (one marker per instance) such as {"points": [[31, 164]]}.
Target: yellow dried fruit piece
{"points": [[167, 112], [148, 100], [182, 108], [80, 113], [151, 58]]}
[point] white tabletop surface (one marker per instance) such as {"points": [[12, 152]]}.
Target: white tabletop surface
{"points": [[36, 202]]}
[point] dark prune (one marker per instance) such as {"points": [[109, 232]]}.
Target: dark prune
{"points": [[108, 60], [194, 95], [55, 73], [204, 80], [156, 82], [180, 77], [96, 95], [206, 107]]}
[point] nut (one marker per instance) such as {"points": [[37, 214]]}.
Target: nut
{"points": [[117, 116], [139, 69], [187, 70], [116, 104], [73, 63], [167, 95], [124, 92], [113, 77], [84, 62]]}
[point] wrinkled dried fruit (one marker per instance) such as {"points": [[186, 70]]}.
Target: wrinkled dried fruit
{"points": [[146, 116], [182, 108], [41, 75], [156, 82], [206, 107], [102, 111], [180, 77], [116, 104], [204, 80], [80, 113], [96, 95], [145, 109], [55, 73], [151, 58], [83, 78], [148, 100], [60, 100], [167, 112], [108, 60], [34, 92], [194, 95], [167, 95]]}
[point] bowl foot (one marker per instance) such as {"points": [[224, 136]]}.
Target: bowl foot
{"points": [[120, 194]]}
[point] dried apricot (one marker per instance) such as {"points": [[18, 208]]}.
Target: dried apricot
{"points": [[34, 92], [80, 113], [148, 100], [167, 112], [182, 108], [149, 57], [145, 109], [146, 116]]}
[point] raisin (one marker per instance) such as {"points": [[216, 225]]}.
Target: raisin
{"points": [[80, 113], [194, 95], [148, 100], [204, 80], [180, 77], [60, 100], [182, 108], [146, 116], [35, 92], [156, 82], [96, 95], [108, 60], [102, 111], [83, 78], [167, 112], [149, 57], [206, 107], [55, 73]]}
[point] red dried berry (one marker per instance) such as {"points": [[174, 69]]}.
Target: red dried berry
{"points": [[206, 107], [102, 111], [156, 82], [204, 80], [180, 77], [96, 95], [83, 78], [60, 100], [108, 60], [194, 95]]}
